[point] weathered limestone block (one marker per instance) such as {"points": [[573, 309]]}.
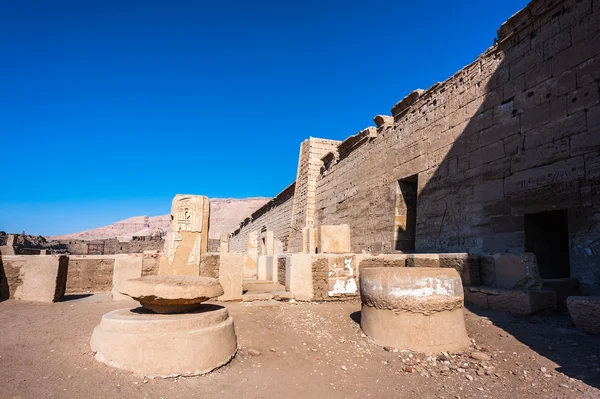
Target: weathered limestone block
{"points": [[188, 238], [172, 294], [38, 278], [515, 301], [518, 271], [585, 312], [467, 266], [251, 259], [383, 120], [418, 309], [334, 239], [127, 266], [423, 260], [165, 345], [299, 276], [231, 277]]}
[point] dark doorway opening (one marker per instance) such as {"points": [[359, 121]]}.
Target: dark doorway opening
{"points": [[405, 224], [547, 236]]}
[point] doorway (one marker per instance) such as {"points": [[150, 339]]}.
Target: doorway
{"points": [[547, 236], [405, 223]]}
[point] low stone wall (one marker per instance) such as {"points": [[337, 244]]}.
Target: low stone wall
{"points": [[90, 273]]}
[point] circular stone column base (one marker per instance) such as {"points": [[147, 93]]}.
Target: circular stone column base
{"points": [[419, 309], [438, 332], [165, 345]]}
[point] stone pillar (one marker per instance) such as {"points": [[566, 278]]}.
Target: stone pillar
{"points": [[251, 259], [299, 277], [231, 266], [224, 243], [188, 238], [127, 266]]}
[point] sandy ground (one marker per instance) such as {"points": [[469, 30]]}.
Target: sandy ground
{"points": [[307, 350]]}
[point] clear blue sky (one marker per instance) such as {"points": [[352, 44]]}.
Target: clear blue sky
{"points": [[109, 108]]}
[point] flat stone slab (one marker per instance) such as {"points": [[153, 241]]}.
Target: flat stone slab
{"points": [[585, 312], [172, 294]]}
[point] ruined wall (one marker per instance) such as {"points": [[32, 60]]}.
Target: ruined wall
{"points": [[275, 215], [515, 132], [112, 246], [90, 273]]}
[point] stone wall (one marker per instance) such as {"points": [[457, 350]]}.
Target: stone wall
{"points": [[90, 273], [275, 215], [514, 133], [309, 167], [112, 246]]}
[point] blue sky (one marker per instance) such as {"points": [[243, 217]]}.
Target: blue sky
{"points": [[109, 108]]}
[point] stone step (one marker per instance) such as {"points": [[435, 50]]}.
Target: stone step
{"points": [[257, 296], [516, 301], [282, 295]]}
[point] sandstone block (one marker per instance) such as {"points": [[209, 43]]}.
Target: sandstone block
{"points": [[298, 276], [334, 239], [37, 278], [466, 265], [423, 260], [127, 266], [585, 312], [512, 271], [515, 301], [231, 277]]}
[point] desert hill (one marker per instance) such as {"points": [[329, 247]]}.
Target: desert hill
{"points": [[225, 216]]}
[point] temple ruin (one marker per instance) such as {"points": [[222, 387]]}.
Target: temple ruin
{"points": [[483, 189]]}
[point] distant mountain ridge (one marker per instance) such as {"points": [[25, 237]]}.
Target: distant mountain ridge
{"points": [[225, 216]]}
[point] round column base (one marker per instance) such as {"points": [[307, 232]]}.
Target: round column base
{"points": [[165, 345]]}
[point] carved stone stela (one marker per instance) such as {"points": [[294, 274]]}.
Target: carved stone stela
{"points": [[188, 238]]}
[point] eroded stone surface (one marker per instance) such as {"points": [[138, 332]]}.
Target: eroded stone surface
{"points": [[417, 290], [418, 309], [172, 294], [585, 312]]}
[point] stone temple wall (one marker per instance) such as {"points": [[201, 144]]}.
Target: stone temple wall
{"points": [[511, 140], [275, 215], [516, 132]]}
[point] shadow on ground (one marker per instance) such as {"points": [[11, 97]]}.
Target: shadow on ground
{"points": [[74, 297], [553, 336]]}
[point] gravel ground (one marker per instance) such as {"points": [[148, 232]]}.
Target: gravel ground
{"points": [[303, 350]]}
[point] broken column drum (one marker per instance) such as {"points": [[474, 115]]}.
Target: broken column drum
{"points": [[418, 309], [157, 339]]}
